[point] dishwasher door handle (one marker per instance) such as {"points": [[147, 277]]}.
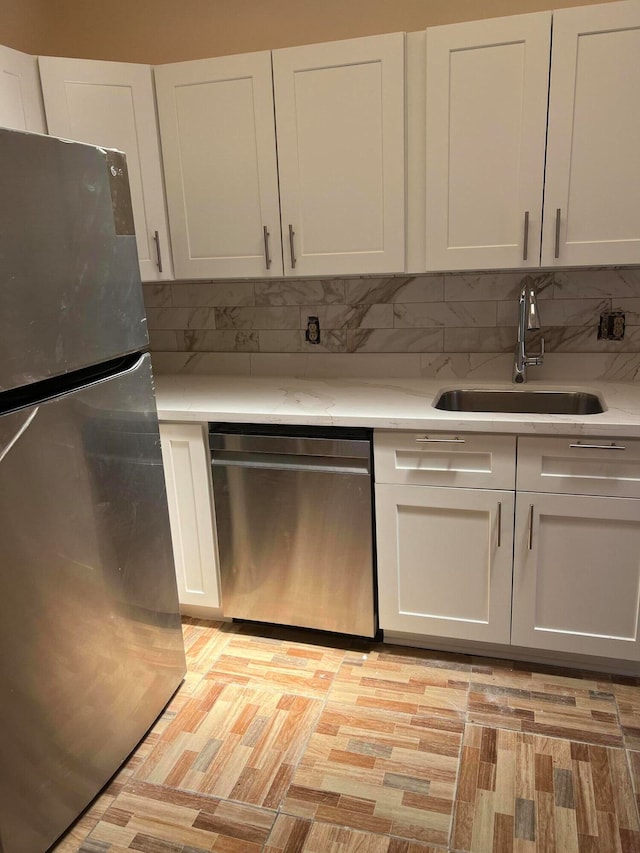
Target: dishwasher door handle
{"points": [[293, 462]]}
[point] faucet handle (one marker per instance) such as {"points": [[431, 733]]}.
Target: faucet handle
{"points": [[533, 360]]}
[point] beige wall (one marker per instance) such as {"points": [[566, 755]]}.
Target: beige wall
{"points": [[156, 31], [22, 23]]}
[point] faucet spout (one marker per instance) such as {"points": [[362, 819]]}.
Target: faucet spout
{"points": [[528, 320], [533, 317]]}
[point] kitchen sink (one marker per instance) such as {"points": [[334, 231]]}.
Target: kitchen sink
{"points": [[532, 402]]}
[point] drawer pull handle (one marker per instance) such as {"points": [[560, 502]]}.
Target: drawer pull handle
{"points": [[440, 440], [530, 527], [267, 256], [556, 253], [156, 240], [611, 446], [499, 524], [292, 250], [525, 250]]}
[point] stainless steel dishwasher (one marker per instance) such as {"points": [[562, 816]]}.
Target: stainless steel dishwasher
{"points": [[295, 532]]}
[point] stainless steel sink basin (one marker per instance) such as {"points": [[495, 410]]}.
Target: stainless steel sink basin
{"points": [[531, 402]]}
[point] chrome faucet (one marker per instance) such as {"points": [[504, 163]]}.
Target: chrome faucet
{"points": [[528, 319]]}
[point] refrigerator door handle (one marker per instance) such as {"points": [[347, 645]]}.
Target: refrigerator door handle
{"points": [[16, 438]]}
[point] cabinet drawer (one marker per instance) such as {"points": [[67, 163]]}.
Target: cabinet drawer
{"points": [[587, 466], [445, 459]]}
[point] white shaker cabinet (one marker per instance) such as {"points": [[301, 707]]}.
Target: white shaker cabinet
{"points": [[445, 554], [486, 110], [340, 130], [20, 95], [444, 561], [112, 104], [187, 467], [219, 151], [329, 202], [592, 189], [576, 584], [451, 564]]}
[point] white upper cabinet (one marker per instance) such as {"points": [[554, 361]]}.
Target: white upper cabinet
{"points": [[592, 190], [340, 130], [486, 96], [20, 96], [219, 150], [112, 104], [338, 175]]}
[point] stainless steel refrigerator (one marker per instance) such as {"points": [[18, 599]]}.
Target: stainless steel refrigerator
{"points": [[90, 641]]}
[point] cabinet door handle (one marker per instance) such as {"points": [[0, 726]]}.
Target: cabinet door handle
{"points": [[426, 440], [292, 234], [499, 524], [557, 251], [267, 257], [611, 446], [525, 251], [156, 239], [530, 527]]}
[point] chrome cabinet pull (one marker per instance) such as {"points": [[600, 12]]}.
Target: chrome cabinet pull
{"points": [[156, 239], [440, 440], [557, 252], [292, 234], [267, 257], [611, 446], [531, 527], [499, 524], [525, 251]]}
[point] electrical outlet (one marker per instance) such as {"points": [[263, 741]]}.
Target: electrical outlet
{"points": [[312, 335], [611, 327]]}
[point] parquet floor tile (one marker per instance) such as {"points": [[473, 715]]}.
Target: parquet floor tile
{"points": [[235, 742], [400, 683], [556, 705], [156, 819], [634, 767], [523, 792], [380, 771], [297, 835], [627, 695], [284, 741], [295, 667]]}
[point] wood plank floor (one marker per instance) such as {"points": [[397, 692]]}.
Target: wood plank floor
{"points": [[279, 741]]}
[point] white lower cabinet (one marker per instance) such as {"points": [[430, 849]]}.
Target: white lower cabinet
{"points": [[185, 455], [576, 581], [444, 561], [541, 568], [444, 520]]}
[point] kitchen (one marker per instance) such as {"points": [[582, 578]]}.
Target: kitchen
{"points": [[393, 337]]}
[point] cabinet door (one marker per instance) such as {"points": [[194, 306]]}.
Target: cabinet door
{"points": [[20, 96], [340, 124], [444, 561], [487, 87], [187, 469], [592, 189], [111, 104], [576, 584], [219, 152]]}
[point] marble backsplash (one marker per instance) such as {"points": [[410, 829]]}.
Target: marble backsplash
{"points": [[426, 325]]}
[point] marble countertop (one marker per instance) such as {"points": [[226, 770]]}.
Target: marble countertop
{"points": [[382, 404]]}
